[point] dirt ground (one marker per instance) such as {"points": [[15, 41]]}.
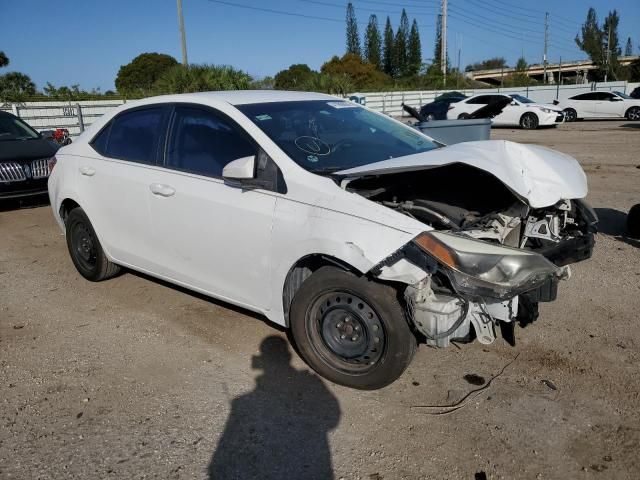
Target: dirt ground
{"points": [[133, 378]]}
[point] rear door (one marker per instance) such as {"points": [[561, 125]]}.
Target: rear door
{"points": [[114, 183], [585, 104], [212, 236]]}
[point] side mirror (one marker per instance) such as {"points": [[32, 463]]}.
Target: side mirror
{"points": [[240, 169], [616, 99]]}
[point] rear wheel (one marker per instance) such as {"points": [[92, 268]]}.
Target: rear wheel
{"points": [[529, 121], [570, 115], [633, 114], [351, 330], [85, 249]]}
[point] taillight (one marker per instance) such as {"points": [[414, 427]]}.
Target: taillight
{"points": [[52, 163]]}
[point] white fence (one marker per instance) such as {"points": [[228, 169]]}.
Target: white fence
{"points": [[75, 116]]}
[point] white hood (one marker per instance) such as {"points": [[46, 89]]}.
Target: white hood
{"points": [[540, 176]]}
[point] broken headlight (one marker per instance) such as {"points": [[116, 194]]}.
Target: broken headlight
{"points": [[478, 268]]}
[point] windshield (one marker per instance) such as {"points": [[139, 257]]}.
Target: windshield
{"points": [[623, 95], [522, 99], [12, 128], [325, 136]]}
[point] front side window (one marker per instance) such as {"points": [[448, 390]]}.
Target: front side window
{"points": [[135, 135], [324, 136], [202, 142]]}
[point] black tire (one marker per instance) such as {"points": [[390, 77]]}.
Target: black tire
{"points": [[633, 114], [463, 116], [633, 221], [351, 330], [529, 121], [85, 249], [570, 115]]}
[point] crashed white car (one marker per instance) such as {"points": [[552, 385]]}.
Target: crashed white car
{"points": [[359, 233]]}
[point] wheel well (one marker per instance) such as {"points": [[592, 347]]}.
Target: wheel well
{"points": [[66, 207], [302, 270], [629, 109]]}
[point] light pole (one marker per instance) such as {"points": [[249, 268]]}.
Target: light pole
{"points": [[183, 37]]}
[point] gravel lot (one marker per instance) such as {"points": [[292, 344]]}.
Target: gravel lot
{"points": [[134, 378]]}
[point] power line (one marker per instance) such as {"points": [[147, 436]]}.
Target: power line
{"points": [[502, 29], [570, 21], [493, 20], [277, 12], [344, 6]]}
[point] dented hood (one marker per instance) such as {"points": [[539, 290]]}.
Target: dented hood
{"points": [[540, 176]]}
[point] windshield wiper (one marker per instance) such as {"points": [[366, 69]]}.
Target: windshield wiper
{"points": [[328, 170]]}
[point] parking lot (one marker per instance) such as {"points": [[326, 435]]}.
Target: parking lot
{"points": [[134, 378]]}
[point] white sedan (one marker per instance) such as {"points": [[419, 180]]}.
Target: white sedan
{"points": [[355, 231], [600, 105], [521, 112]]}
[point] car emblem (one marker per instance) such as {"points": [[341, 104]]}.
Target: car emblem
{"points": [[27, 171]]}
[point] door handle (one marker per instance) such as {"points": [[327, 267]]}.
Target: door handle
{"points": [[162, 190], [87, 171]]}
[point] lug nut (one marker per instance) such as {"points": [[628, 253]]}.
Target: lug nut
{"points": [[339, 324], [342, 337], [354, 338], [357, 327]]}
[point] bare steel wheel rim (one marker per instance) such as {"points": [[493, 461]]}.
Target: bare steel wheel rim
{"points": [[346, 332], [84, 246]]}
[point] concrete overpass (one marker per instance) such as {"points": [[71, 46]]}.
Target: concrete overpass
{"points": [[572, 72]]}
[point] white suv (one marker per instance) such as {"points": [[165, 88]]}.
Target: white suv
{"points": [[358, 232]]}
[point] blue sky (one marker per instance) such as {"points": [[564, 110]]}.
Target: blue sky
{"points": [[86, 41]]}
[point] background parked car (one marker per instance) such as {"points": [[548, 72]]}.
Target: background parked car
{"points": [[521, 112], [25, 158], [600, 105], [437, 110], [635, 93]]}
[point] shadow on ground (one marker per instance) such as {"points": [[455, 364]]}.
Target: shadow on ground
{"points": [[630, 125], [279, 429], [8, 204], [614, 222]]}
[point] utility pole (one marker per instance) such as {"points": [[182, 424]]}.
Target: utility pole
{"points": [[546, 43], [606, 72], [459, 54], [183, 38], [443, 41]]}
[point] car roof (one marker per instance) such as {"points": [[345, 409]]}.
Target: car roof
{"points": [[240, 97]]}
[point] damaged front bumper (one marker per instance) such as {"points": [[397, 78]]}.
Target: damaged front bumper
{"points": [[456, 282]]}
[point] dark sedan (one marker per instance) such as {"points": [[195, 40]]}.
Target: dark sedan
{"points": [[26, 158], [437, 110]]}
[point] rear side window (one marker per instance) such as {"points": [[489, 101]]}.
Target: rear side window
{"points": [[481, 100], [203, 142], [133, 136], [586, 96]]}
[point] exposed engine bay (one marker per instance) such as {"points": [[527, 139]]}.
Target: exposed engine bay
{"points": [[471, 202]]}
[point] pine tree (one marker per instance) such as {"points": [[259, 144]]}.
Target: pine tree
{"points": [[387, 62], [353, 39], [400, 46], [373, 43], [437, 50], [414, 54], [628, 49]]}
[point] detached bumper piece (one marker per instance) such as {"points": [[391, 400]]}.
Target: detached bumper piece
{"points": [[569, 251]]}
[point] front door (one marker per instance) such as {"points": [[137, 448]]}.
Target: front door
{"points": [[213, 236]]}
